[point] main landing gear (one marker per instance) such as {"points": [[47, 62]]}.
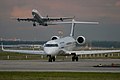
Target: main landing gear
{"points": [[34, 24], [74, 57], [51, 58]]}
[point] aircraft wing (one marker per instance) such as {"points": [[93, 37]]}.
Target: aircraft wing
{"points": [[25, 51], [26, 19], [92, 51], [56, 18]]}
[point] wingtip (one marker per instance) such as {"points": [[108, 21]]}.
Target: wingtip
{"points": [[2, 46]]}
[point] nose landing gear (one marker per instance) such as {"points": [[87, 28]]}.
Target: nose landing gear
{"points": [[34, 24], [51, 58]]}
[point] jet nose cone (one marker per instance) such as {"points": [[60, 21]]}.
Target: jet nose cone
{"points": [[51, 47], [34, 10], [51, 50]]}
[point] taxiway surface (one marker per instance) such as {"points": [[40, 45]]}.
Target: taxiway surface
{"points": [[83, 65]]}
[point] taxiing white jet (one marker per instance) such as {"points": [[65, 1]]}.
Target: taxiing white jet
{"points": [[44, 21], [63, 46]]}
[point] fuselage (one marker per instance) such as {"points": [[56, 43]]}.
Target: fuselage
{"points": [[54, 47], [38, 17]]}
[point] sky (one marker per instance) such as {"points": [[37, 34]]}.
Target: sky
{"points": [[106, 12]]}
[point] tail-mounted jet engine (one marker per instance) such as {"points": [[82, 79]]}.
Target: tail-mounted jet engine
{"points": [[80, 40]]}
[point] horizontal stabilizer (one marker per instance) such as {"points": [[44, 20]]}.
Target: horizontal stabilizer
{"points": [[75, 22]]}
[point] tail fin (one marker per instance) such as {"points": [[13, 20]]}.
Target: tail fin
{"points": [[72, 28], [73, 22], [2, 46], [78, 22]]}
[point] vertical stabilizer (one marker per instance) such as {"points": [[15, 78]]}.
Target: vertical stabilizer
{"points": [[72, 28], [2, 46]]}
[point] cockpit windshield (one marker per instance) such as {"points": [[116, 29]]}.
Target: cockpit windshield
{"points": [[51, 45]]}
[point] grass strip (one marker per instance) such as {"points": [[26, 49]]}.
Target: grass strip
{"points": [[58, 76]]}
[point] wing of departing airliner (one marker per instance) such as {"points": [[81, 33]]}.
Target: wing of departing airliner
{"points": [[26, 19], [25, 51], [92, 51], [56, 18]]}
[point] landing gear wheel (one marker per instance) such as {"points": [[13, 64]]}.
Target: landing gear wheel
{"points": [[51, 58], [34, 24], [74, 57]]}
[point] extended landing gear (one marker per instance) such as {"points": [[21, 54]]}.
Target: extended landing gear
{"points": [[51, 58], [74, 57], [34, 24]]}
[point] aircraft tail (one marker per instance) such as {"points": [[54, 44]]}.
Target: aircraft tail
{"points": [[2, 46], [73, 22], [78, 22], [72, 28]]}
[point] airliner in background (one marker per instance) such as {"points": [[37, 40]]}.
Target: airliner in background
{"points": [[63, 46], [44, 21]]}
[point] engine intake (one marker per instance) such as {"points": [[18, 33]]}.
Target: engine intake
{"points": [[80, 40], [54, 37]]}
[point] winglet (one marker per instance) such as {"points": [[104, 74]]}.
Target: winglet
{"points": [[2, 46], [72, 28]]}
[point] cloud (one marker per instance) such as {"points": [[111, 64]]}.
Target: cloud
{"points": [[117, 3], [105, 11], [21, 12]]}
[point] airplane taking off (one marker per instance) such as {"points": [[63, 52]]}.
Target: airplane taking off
{"points": [[63, 46], [44, 21]]}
